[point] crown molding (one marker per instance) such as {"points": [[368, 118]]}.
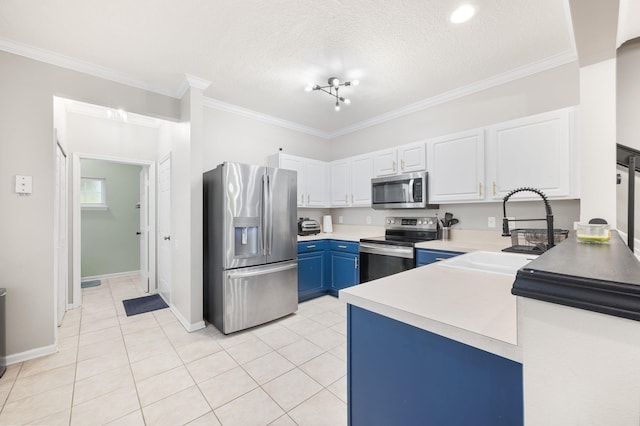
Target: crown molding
{"points": [[199, 83], [191, 81], [78, 65], [265, 118], [515, 74]]}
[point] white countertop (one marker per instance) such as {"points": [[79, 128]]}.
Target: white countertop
{"points": [[346, 233], [474, 308]]}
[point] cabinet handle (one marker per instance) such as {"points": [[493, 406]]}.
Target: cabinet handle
{"points": [[346, 199], [355, 263], [308, 199], [480, 188], [393, 166], [440, 258], [312, 246], [351, 198], [342, 246], [302, 199], [494, 188], [402, 164]]}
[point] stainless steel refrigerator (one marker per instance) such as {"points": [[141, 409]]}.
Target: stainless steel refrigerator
{"points": [[250, 250]]}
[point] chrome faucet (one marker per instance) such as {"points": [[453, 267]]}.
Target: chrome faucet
{"points": [[548, 219]]}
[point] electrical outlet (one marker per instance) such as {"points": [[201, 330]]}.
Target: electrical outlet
{"points": [[491, 222], [368, 220], [340, 219]]}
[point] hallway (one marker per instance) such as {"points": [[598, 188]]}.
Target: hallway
{"points": [[146, 369]]}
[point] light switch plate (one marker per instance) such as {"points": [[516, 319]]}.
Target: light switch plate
{"points": [[24, 184]]}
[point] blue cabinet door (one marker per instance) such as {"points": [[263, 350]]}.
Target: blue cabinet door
{"points": [[311, 273], [398, 374], [345, 270], [313, 268], [425, 256]]}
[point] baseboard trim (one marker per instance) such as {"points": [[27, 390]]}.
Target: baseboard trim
{"points": [[107, 276], [186, 324], [30, 354]]}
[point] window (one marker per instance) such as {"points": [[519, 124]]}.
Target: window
{"points": [[93, 193]]}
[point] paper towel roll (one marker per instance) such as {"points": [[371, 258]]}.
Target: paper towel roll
{"points": [[327, 226]]}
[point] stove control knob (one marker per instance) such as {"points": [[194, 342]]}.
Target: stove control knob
{"points": [[419, 221]]}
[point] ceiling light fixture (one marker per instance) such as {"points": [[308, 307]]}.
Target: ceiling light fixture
{"points": [[334, 86], [462, 14]]}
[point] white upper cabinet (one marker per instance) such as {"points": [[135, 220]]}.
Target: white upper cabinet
{"points": [[351, 181], [312, 178], [412, 157], [403, 159], [385, 163], [456, 167], [361, 174], [533, 152], [340, 191]]}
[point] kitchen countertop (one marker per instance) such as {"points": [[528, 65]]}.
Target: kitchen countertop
{"points": [[462, 240], [474, 308], [603, 278]]}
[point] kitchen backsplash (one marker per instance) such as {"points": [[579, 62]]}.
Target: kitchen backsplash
{"points": [[471, 216]]}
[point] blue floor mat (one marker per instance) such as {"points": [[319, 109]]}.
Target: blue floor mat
{"points": [[87, 284], [144, 304]]}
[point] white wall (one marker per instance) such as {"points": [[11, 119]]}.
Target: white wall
{"points": [[579, 367], [545, 91], [26, 223], [597, 136], [231, 137]]}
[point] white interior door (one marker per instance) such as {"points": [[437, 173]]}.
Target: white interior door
{"points": [[62, 261], [144, 228], [164, 230]]}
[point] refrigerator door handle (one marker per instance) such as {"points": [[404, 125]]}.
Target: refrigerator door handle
{"points": [[263, 222], [260, 271], [270, 217]]}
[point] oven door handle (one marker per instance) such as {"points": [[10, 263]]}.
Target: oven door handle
{"points": [[387, 250]]}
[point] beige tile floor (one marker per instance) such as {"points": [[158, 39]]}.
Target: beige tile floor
{"points": [[146, 369]]}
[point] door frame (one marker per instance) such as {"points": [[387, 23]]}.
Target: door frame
{"points": [[167, 297], [76, 218], [61, 227]]}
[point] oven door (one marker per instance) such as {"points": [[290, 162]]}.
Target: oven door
{"points": [[381, 260]]}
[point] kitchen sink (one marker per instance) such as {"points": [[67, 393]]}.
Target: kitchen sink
{"points": [[488, 261]]}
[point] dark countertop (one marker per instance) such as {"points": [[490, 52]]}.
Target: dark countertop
{"points": [[602, 278]]}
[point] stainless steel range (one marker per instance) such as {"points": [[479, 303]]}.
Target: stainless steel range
{"points": [[395, 252]]}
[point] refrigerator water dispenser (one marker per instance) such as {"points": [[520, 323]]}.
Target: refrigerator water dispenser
{"points": [[246, 236]]}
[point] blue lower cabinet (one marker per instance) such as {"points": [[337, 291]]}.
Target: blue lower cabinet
{"points": [[398, 374], [427, 256], [313, 267], [345, 265], [344, 270]]}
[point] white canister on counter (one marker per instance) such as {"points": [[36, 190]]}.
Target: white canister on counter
{"points": [[327, 225]]}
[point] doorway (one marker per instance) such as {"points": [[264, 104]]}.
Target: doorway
{"points": [[146, 230]]}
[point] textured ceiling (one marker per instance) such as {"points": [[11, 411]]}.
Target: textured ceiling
{"points": [[261, 54]]}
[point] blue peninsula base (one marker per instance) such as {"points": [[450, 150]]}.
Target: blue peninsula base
{"points": [[402, 375]]}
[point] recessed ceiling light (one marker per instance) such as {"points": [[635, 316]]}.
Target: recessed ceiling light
{"points": [[463, 14]]}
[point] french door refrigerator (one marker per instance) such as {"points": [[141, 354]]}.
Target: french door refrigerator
{"points": [[250, 245]]}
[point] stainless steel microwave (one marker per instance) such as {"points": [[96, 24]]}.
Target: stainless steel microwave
{"points": [[407, 191]]}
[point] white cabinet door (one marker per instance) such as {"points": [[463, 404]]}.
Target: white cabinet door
{"points": [[315, 176], [412, 158], [385, 163], [361, 174], [531, 152], [297, 164], [339, 171], [456, 167]]}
